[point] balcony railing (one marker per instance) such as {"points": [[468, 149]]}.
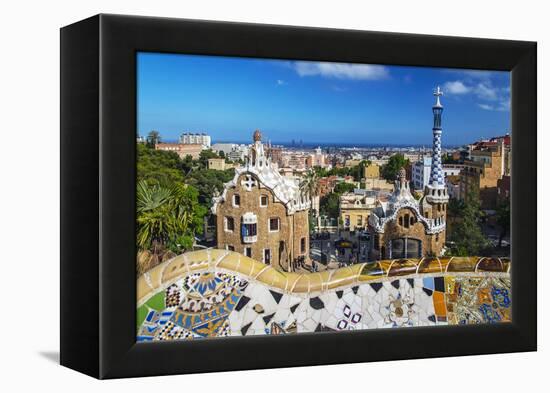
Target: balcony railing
{"points": [[250, 239]]}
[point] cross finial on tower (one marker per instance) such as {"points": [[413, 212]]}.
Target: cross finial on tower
{"points": [[438, 93]]}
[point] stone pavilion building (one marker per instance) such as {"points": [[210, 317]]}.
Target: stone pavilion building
{"points": [[403, 227], [262, 214]]}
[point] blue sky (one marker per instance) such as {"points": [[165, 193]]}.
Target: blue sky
{"points": [[230, 97]]}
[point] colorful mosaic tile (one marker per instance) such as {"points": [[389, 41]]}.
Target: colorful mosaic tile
{"points": [[213, 301]]}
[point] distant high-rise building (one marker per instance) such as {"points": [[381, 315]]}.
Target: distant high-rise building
{"points": [[421, 173], [188, 138]]}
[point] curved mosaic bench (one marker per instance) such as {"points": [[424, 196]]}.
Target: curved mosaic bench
{"points": [[220, 293]]}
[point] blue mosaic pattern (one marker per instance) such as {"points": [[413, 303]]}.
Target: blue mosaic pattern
{"points": [[437, 175]]}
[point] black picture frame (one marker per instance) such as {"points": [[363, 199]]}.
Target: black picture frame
{"points": [[98, 168]]}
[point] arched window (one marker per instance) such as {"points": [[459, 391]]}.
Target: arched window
{"points": [[401, 220], [406, 220]]}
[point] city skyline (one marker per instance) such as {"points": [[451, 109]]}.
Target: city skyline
{"points": [[316, 103]]}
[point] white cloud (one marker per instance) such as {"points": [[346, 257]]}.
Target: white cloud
{"points": [[502, 106], [456, 87], [492, 98], [341, 70], [486, 92], [471, 75], [281, 82], [486, 107]]}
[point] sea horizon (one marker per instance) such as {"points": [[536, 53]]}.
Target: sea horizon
{"points": [[313, 145]]}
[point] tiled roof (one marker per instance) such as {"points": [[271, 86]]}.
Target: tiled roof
{"points": [[286, 190]]}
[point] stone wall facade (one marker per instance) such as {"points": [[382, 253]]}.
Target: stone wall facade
{"points": [[354, 219], [415, 230], [482, 173], [282, 246]]}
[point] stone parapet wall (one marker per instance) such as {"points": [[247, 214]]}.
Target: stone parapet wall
{"points": [[217, 293]]}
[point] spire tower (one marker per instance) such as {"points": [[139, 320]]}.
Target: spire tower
{"points": [[436, 191], [437, 178]]}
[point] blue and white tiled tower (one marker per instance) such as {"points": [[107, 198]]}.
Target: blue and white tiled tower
{"points": [[436, 190], [437, 177]]}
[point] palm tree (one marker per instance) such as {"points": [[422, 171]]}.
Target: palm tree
{"points": [[168, 217], [310, 188], [155, 226], [153, 138]]}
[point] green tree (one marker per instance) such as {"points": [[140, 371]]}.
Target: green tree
{"points": [[395, 163], [342, 188], [158, 167], [209, 182], [454, 207], [309, 185], [167, 217], [153, 138], [205, 155], [344, 171], [466, 237], [188, 164], [503, 220], [329, 205], [359, 170]]}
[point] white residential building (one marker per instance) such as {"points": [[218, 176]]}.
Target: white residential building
{"points": [[225, 147], [421, 170], [238, 152], [188, 138]]}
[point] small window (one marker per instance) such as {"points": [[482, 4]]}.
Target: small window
{"points": [[263, 200], [406, 219], [236, 200], [303, 245], [229, 224], [360, 221], [400, 220], [267, 256], [230, 248], [248, 252], [274, 224], [249, 230]]}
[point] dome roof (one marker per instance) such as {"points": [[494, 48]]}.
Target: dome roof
{"points": [[402, 174], [257, 136]]}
